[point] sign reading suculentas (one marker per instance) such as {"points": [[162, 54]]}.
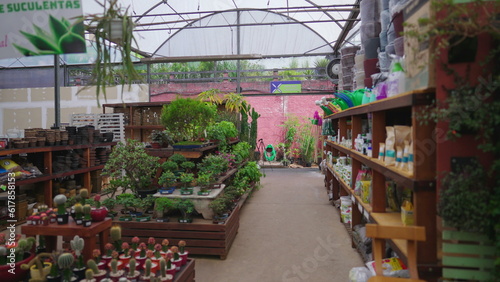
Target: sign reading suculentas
{"points": [[31, 28]]}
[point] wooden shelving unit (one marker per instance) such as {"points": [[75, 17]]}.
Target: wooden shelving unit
{"points": [[48, 172], [401, 108]]}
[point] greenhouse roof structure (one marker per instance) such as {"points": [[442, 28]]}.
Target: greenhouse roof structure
{"points": [[190, 30]]}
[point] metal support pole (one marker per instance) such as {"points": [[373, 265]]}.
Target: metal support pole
{"points": [[238, 50], [57, 105]]}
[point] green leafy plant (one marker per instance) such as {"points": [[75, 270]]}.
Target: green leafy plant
{"points": [[241, 151], [250, 171], [187, 118], [220, 205], [164, 137], [213, 165], [167, 179], [177, 158], [64, 37], [129, 201], [186, 179], [132, 165], [107, 44], [203, 180], [163, 205], [169, 166], [307, 143], [186, 207], [188, 166]]}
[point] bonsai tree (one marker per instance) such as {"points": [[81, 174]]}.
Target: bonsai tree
{"points": [[213, 164], [186, 179], [170, 166], [188, 166], [186, 207], [162, 137], [203, 180], [163, 205], [220, 205], [167, 179], [188, 118], [177, 158], [241, 151], [131, 164], [129, 202]]}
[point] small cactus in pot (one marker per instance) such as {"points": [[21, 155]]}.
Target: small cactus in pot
{"points": [[147, 270], [89, 275], [133, 273], [62, 215], [97, 273], [65, 261], [164, 276], [115, 272]]}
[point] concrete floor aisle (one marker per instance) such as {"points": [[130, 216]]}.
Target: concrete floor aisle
{"points": [[288, 231]]}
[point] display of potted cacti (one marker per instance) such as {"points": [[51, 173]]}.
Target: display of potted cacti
{"points": [[164, 276], [125, 255], [133, 274], [62, 214], [186, 179], [65, 262], [176, 259], [89, 276], [115, 273], [171, 269], [98, 273], [106, 258], [141, 255], [77, 245], [87, 218], [182, 251]]}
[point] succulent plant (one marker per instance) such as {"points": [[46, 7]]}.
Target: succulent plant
{"points": [[175, 251], [163, 267], [89, 274], [109, 249], [132, 266], [86, 212], [84, 194], [147, 268], [65, 261], [135, 242], [78, 210], [77, 245], [169, 260], [182, 244], [91, 264], [164, 245], [60, 200], [114, 266], [116, 236]]}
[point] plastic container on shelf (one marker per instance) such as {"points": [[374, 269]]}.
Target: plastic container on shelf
{"points": [[371, 48], [347, 60], [384, 4], [349, 50], [390, 49], [384, 61], [385, 19], [369, 30], [369, 11], [399, 46], [391, 34], [371, 67], [383, 40]]}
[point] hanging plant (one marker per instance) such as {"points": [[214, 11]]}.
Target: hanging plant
{"points": [[113, 32]]}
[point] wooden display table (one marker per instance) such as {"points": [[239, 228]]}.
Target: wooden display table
{"points": [[187, 272], [88, 234]]}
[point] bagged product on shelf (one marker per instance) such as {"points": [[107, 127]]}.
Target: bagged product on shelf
{"points": [[359, 274], [406, 152], [392, 267], [366, 191], [410, 159], [401, 133], [396, 79], [10, 165], [381, 151], [363, 175], [399, 157], [390, 152], [407, 213], [392, 196]]}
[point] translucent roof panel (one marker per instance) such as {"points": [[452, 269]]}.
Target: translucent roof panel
{"points": [[268, 27]]}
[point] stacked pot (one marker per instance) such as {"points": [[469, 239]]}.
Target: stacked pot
{"points": [[347, 62], [370, 30]]}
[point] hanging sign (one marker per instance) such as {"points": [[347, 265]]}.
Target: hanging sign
{"points": [[286, 87], [31, 28]]}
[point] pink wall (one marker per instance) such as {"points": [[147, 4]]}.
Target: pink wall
{"points": [[272, 108]]}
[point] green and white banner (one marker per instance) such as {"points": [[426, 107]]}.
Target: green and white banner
{"points": [[31, 28]]}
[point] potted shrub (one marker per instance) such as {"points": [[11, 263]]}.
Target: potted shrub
{"points": [[177, 158], [203, 180], [213, 164], [170, 166], [130, 204], [163, 205], [167, 180], [186, 207], [160, 138], [186, 179], [241, 151], [110, 204], [187, 166], [220, 209], [135, 168], [188, 118]]}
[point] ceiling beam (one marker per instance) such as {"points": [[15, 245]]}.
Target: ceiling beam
{"points": [[347, 27]]}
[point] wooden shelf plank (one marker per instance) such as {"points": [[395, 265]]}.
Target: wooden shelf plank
{"points": [[399, 176], [58, 175], [365, 206], [407, 99], [53, 148], [394, 219], [151, 126]]}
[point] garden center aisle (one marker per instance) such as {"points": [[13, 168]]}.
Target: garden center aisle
{"points": [[289, 231]]}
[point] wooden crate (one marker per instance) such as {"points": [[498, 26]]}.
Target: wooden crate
{"points": [[468, 256], [202, 236]]}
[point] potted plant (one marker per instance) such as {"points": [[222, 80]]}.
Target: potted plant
{"points": [[170, 165], [87, 219], [54, 274], [203, 180], [130, 204], [77, 245], [182, 251], [147, 271], [164, 276], [99, 213], [106, 258], [98, 274], [113, 34], [115, 236], [125, 255], [186, 207], [39, 269], [176, 259], [220, 208], [170, 266], [109, 204], [133, 273], [141, 254], [62, 215], [89, 276], [78, 208], [187, 118], [167, 180], [250, 171], [241, 152], [213, 164], [115, 273], [186, 179], [160, 138], [133, 166], [187, 166], [177, 158], [65, 262], [162, 205]]}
